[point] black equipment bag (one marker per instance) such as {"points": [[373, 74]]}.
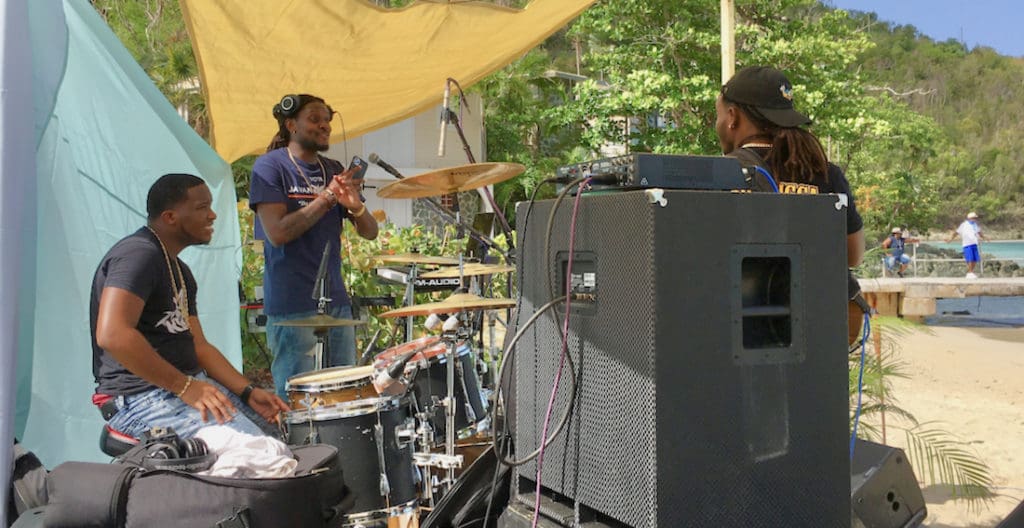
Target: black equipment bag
{"points": [[123, 495]]}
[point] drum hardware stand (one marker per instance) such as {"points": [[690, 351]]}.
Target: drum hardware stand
{"points": [[313, 436], [320, 291], [410, 299], [491, 361], [385, 486]]}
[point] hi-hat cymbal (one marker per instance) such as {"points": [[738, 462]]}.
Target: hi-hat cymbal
{"points": [[321, 321], [454, 303], [468, 270], [451, 180], [416, 258]]}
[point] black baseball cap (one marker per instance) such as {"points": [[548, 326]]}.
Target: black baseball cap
{"points": [[767, 90]]}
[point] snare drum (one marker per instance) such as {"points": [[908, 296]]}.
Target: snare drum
{"points": [[429, 386], [330, 386], [374, 437]]}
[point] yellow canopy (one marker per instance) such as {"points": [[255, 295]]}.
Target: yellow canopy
{"points": [[375, 66]]}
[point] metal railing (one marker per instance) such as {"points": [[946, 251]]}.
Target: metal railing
{"points": [[914, 261]]}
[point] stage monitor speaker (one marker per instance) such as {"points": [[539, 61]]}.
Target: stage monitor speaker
{"points": [[708, 334], [885, 492]]}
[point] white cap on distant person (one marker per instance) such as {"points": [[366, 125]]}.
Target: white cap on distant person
{"points": [[972, 215], [896, 230]]}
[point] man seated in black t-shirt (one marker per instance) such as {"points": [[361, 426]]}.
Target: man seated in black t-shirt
{"points": [[152, 364]]}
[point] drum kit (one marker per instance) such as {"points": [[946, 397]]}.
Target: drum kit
{"points": [[398, 422]]}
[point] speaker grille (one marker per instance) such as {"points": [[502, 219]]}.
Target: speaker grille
{"points": [[615, 364]]}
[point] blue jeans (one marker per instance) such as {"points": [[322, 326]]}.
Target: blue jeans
{"points": [[293, 347], [138, 413], [890, 261]]}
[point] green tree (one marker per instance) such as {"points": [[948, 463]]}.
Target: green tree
{"points": [[154, 33]]}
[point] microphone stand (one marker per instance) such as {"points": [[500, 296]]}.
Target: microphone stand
{"points": [[321, 290], [455, 120]]}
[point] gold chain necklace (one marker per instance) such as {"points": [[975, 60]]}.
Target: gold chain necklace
{"points": [[182, 304], [757, 145], [317, 189]]}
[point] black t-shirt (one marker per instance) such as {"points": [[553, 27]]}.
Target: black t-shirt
{"points": [[137, 264], [836, 184]]}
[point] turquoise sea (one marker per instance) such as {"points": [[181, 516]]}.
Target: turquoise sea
{"points": [[982, 311], [1012, 249]]}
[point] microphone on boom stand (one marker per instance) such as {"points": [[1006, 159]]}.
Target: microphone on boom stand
{"points": [[389, 380]]}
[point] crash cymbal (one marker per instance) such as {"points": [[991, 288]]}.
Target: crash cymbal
{"points": [[416, 258], [454, 303], [468, 270], [321, 321], [451, 180]]}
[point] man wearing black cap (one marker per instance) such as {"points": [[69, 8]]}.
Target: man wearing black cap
{"points": [[757, 123]]}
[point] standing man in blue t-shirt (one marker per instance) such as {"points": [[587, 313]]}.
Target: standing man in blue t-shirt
{"points": [[970, 235], [301, 199]]}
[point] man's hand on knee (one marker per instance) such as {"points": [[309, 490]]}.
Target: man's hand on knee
{"points": [[206, 398]]}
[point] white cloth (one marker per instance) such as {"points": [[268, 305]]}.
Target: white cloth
{"points": [[241, 455], [968, 232]]}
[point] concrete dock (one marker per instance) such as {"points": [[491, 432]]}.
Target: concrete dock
{"points": [[915, 297]]}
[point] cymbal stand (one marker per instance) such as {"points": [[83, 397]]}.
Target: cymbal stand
{"points": [[449, 216], [321, 289], [451, 336]]}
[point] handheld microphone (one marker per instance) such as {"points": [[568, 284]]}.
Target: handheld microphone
{"points": [[375, 159], [388, 381], [444, 117]]}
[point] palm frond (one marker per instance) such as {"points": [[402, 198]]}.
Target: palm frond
{"points": [[942, 458]]}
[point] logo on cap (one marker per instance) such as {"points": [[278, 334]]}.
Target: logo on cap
{"points": [[787, 92]]}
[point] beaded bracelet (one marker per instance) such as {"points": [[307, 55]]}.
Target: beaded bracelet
{"points": [[188, 382]]}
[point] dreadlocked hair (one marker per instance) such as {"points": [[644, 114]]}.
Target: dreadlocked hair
{"points": [[796, 154], [280, 139]]}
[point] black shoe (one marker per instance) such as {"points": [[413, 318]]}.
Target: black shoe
{"points": [[899, 274]]}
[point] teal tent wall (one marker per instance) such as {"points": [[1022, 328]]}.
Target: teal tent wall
{"points": [[103, 137]]}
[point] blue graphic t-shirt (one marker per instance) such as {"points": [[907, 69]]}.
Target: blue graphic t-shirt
{"points": [[137, 264], [290, 269]]}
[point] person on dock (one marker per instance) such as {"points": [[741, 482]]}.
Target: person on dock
{"points": [[970, 235], [895, 254]]}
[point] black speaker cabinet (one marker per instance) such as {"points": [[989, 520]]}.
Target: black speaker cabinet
{"points": [[708, 334], [885, 492]]}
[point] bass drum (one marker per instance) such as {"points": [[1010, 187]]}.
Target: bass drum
{"points": [[375, 441]]}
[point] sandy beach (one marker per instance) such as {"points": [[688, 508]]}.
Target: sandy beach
{"points": [[972, 381]]}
